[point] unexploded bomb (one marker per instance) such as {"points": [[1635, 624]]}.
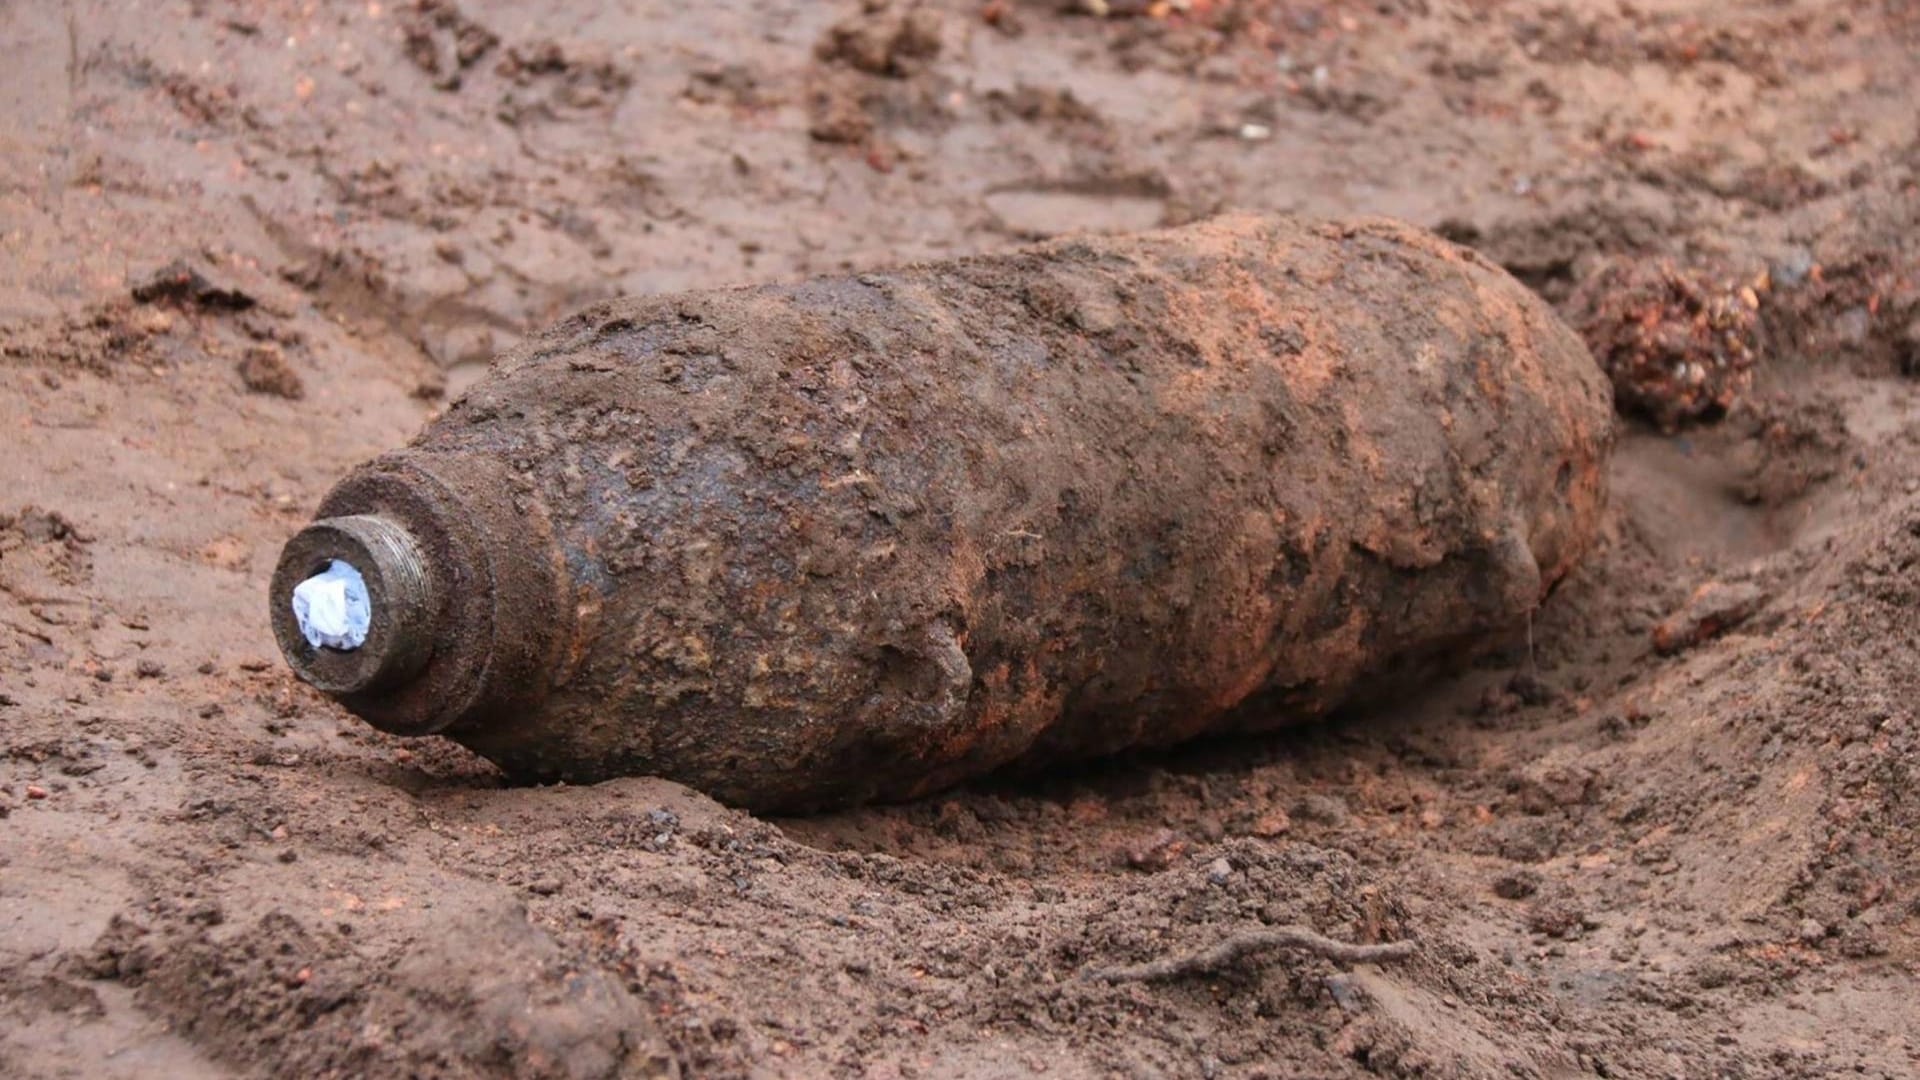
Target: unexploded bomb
{"points": [[864, 536]]}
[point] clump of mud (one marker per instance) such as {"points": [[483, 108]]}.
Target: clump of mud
{"points": [[883, 39], [1678, 343]]}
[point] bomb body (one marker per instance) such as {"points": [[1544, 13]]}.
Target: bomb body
{"points": [[865, 536]]}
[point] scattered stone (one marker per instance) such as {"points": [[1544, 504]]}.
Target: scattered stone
{"points": [[545, 886], [1219, 871], [265, 371], [180, 284], [1812, 931], [1712, 610], [149, 669], [35, 791]]}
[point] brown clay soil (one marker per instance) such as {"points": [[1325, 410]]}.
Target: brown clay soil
{"points": [[1671, 827]]}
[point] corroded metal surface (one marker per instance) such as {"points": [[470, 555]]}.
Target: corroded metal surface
{"points": [[865, 536]]}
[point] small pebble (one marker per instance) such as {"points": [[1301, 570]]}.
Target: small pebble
{"points": [[1219, 870]]}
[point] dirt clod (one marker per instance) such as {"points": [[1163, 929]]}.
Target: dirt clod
{"points": [[1321, 808], [883, 39], [1557, 917], [264, 370], [182, 284], [839, 113], [1516, 884], [1271, 823], [442, 41], [1713, 609], [1156, 852], [1679, 343]]}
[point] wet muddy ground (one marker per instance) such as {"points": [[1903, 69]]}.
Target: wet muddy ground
{"points": [[1668, 828]]}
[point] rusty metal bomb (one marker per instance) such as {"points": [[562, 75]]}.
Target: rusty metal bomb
{"points": [[869, 535]]}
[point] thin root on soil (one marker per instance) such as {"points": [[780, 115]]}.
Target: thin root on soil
{"points": [[1230, 950]]}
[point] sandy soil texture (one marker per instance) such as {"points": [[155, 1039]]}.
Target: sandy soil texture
{"points": [[1671, 827]]}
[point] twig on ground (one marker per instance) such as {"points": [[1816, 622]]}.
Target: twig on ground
{"points": [[1226, 952]]}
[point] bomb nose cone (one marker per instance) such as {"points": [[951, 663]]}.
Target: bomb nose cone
{"points": [[424, 596], [353, 604]]}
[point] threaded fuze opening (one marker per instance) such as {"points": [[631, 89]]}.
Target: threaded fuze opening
{"points": [[353, 604]]}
